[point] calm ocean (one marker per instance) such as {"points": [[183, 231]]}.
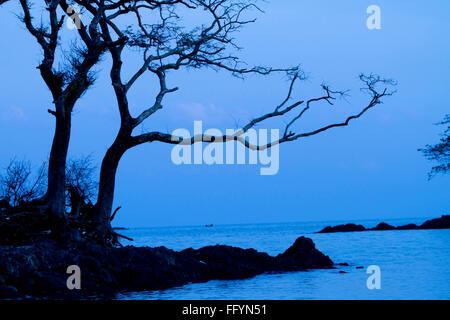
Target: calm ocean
{"points": [[414, 264]]}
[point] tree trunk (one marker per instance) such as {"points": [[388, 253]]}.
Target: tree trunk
{"points": [[57, 164], [105, 198]]}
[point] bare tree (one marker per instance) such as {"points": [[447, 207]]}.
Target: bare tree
{"points": [[440, 152], [167, 47], [67, 81], [81, 187], [18, 185]]}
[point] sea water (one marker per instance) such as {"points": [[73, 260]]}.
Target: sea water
{"points": [[414, 264]]}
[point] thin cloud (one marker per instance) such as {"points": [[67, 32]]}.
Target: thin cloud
{"points": [[14, 113], [209, 114]]}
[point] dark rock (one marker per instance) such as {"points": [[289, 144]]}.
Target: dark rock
{"points": [[154, 268], [8, 292], [410, 226], [39, 269], [439, 223], [383, 227], [303, 255], [350, 227], [344, 264], [342, 271], [360, 267], [225, 262]]}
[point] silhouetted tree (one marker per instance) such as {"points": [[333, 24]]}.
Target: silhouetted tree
{"points": [[67, 81], [18, 185], [155, 28], [166, 47], [440, 152]]}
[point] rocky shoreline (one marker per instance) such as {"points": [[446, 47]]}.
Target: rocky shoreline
{"points": [[36, 268], [39, 269], [439, 223]]}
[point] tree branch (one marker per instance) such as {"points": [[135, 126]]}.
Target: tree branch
{"points": [[371, 82]]}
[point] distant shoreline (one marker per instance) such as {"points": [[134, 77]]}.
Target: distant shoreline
{"points": [[438, 223]]}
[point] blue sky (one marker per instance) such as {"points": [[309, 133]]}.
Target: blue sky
{"points": [[369, 170]]}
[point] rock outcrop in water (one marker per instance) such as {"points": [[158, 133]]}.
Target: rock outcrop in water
{"points": [[39, 268], [343, 228], [439, 223]]}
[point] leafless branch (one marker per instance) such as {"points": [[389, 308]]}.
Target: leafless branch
{"points": [[371, 86], [18, 185]]}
